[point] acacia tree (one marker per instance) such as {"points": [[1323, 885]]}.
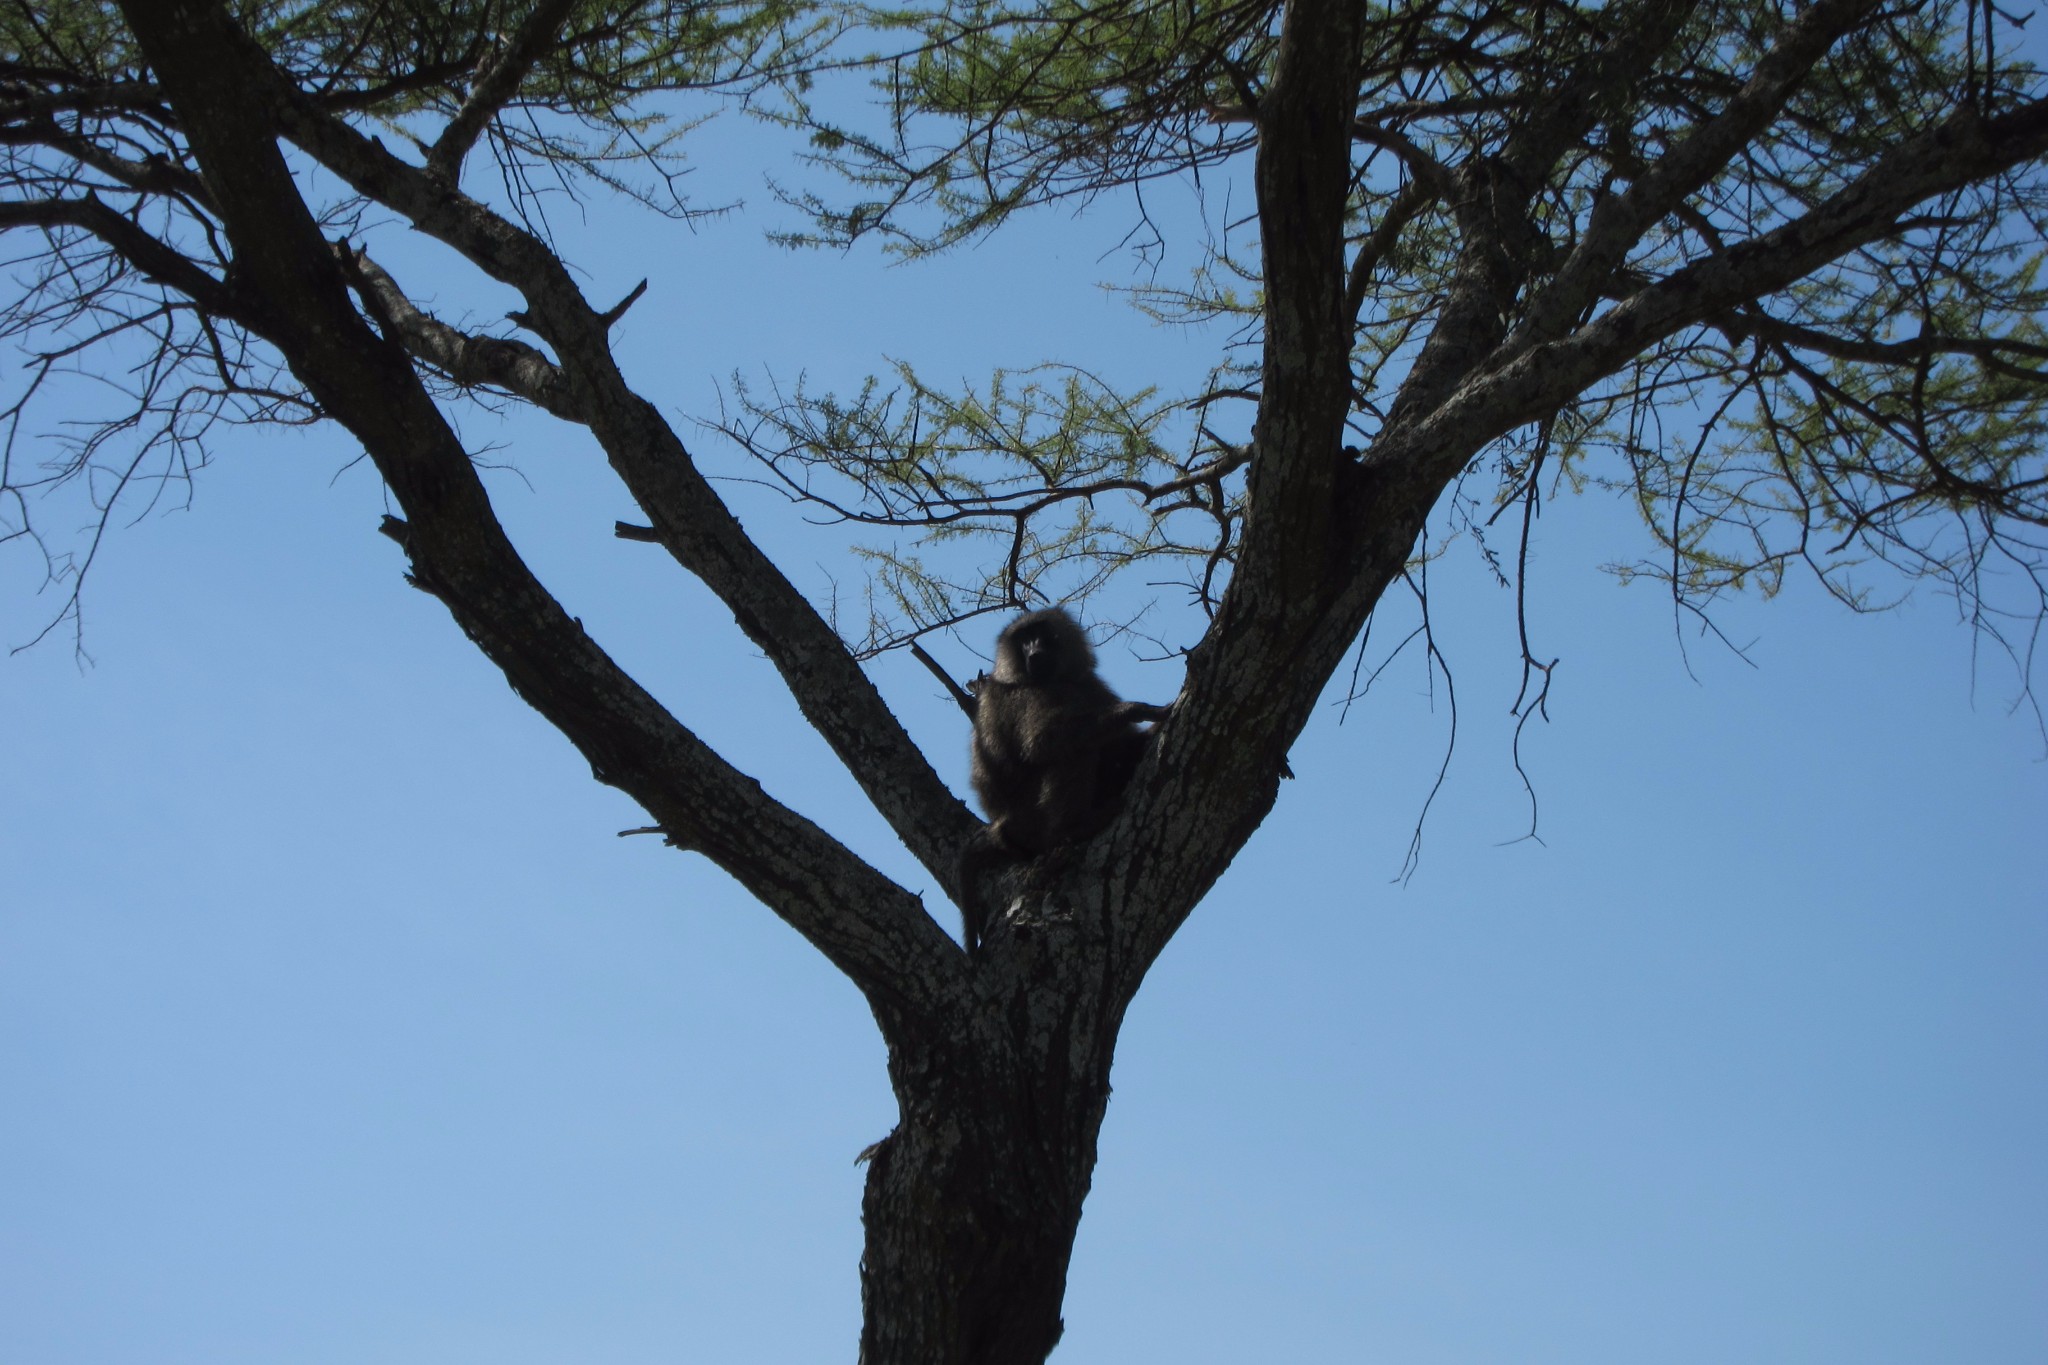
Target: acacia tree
{"points": [[1771, 269]]}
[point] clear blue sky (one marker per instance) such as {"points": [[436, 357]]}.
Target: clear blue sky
{"points": [[337, 1026]]}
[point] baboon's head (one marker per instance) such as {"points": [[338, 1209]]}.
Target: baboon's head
{"points": [[1042, 647]]}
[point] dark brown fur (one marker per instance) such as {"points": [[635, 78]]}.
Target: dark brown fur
{"points": [[1053, 749]]}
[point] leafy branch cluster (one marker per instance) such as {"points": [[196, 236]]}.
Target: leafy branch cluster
{"points": [[1004, 486], [994, 107], [124, 262], [1574, 165]]}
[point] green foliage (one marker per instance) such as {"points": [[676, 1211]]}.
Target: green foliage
{"points": [[398, 56], [1887, 408], [1521, 175], [413, 54], [1913, 448], [65, 35], [94, 168], [1032, 102], [583, 105], [1033, 488]]}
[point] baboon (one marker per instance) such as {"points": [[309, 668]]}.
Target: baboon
{"points": [[1053, 750]]}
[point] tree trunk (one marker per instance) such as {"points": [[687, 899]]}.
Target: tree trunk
{"points": [[973, 1201], [970, 1225]]}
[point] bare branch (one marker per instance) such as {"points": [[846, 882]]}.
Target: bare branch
{"points": [[495, 87], [149, 256], [960, 695], [500, 362]]}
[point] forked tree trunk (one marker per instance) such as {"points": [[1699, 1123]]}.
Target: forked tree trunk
{"points": [[1001, 1067], [972, 1203]]}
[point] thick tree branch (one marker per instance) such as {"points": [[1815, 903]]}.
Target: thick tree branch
{"points": [[149, 257], [1492, 196], [146, 175], [1465, 392], [694, 525], [1217, 764], [2002, 352], [1302, 172], [498, 362], [1964, 149], [1619, 222], [1551, 126], [872, 929], [26, 101]]}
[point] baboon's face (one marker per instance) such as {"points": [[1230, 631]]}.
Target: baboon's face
{"points": [[1038, 655], [1043, 647]]}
